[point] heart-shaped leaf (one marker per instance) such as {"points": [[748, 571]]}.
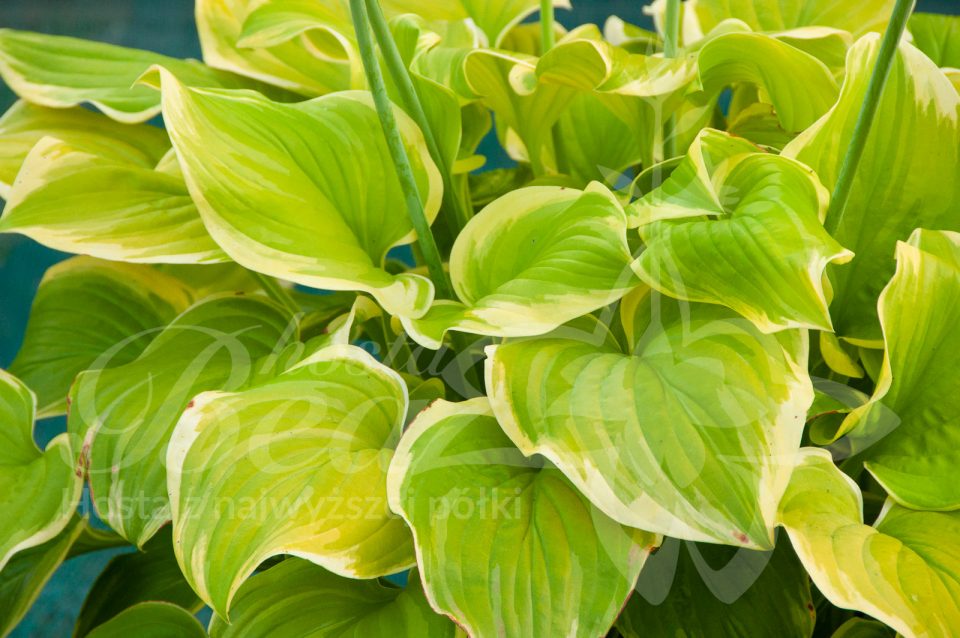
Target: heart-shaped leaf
{"points": [[531, 261], [542, 560], [122, 417], [739, 227], [294, 465], [306, 192], [904, 570], [689, 431]]}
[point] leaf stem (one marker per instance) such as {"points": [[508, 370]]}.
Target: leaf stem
{"points": [[671, 46], [671, 29], [398, 153], [414, 107], [546, 25], [547, 42], [276, 292], [868, 112]]}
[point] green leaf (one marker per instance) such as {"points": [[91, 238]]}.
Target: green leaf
{"points": [[759, 124], [298, 598], [507, 546], [799, 86], [151, 620], [699, 399], [122, 417], [76, 201], [907, 432], [863, 628], [275, 50], [601, 142], [58, 71], [40, 489], [903, 571], [305, 192], [129, 579], [531, 261], [938, 36], [909, 176], [742, 228], [114, 310], [24, 577], [690, 590], [781, 15], [507, 84], [24, 124], [495, 18], [294, 465]]}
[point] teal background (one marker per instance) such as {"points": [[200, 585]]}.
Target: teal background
{"points": [[165, 26]]}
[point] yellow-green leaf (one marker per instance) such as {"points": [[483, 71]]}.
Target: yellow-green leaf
{"points": [[689, 429], [909, 176], [506, 544], [122, 417], [40, 489], [76, 201], [300, 462], [904, 570], [306, 192]]}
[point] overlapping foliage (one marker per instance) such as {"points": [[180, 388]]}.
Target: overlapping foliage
{"points": [[687, 367]]}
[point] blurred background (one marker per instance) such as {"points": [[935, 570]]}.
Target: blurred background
{"points": [[165, 27]]}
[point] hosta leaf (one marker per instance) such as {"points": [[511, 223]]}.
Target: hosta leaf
{"points": [[23, 578], [689, 590], [586, 62], [58, 71], [863, 628], [292, 63], [758, 123], [306, 192], [909, 176], [115, 310], [542, 560], [301, 460], [780, 15], [494, 18], [908, 432], [827, 44], [76, 201], [130, 579], [531, 261], [151, 620], [507, 84], [25, 124], [739, 227], [601, 142], [938, 36], [904, 570], [39, 490], [122, 417], [700, 399], [298, 598], [800, 87]]}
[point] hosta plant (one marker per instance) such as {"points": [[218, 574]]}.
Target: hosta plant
{"points": [[686, 365]]}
